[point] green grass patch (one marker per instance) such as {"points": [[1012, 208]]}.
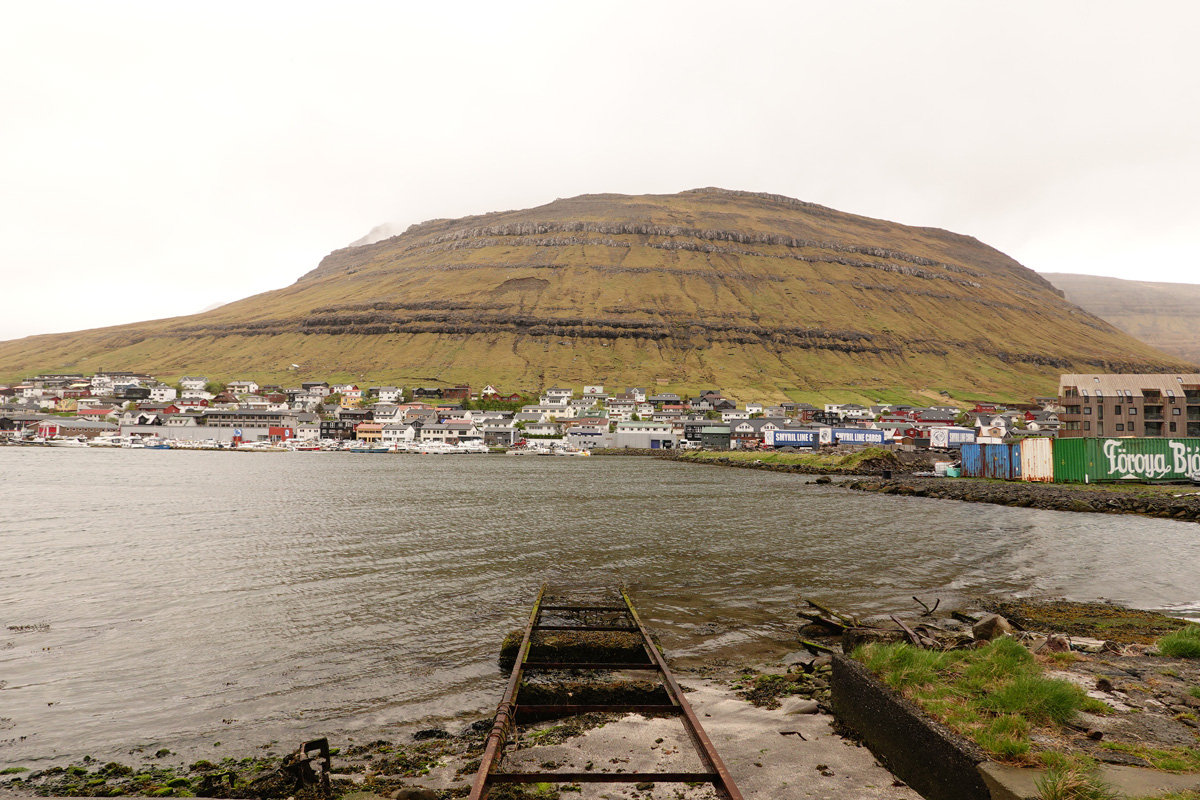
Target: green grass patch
{"points": [[821, 462], [1172, 759], [13, 770], [996, 695], [1072, 783], [1183, 643]]}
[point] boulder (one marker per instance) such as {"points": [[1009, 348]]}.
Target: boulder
{"points": [[991, 627], [799, 705], [415, 793], [853, 637]]}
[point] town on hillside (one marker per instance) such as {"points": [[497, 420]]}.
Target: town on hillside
{"points": [[130, 409]]}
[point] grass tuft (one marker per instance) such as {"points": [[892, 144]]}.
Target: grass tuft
{"points": [[1074, 784], [1040, 700], [1183, 643]]}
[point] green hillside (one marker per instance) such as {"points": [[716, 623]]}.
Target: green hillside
{"points": [[760, 295]]}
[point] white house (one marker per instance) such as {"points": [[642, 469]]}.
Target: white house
{"points": [[194, 382], [399, 432], [388, 394], [557, 397], [734, 415], [102, 384], [593, 390], [161, 393], [385, 412], [241, 387]]}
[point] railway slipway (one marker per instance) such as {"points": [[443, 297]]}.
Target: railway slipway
{"points": [[595, 656]]}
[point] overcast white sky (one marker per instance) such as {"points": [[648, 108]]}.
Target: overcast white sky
{"points": [[159, 157]]}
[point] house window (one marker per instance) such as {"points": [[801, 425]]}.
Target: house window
{"points": [[1175, 412], [1172, 427], [1120, 427], [1132, 412], [1087, 409], [1117, 410], [1087, 426]]}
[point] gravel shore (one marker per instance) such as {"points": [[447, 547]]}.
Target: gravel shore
{"points": [[1181, 503]]}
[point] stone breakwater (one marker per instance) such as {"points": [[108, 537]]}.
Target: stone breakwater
{"points": [[1182, 504]]}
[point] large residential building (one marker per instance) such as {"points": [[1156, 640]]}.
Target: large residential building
{"points": [[1129, 405]]}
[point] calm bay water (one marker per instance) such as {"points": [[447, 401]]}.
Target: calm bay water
{"points": [[196, 597]]}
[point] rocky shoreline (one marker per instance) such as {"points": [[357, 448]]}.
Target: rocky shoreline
{"points": [[1183, 505], [1164, 502]]}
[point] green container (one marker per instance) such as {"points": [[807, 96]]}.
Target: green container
{"points": [[1103, 460], [1070, 460], [953, 472]]}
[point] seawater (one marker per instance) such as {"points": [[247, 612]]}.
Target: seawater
{"points": [[162, 599]]}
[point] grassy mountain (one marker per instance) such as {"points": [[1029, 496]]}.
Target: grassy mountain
{"points": [[1163, 315], [761, 295]]}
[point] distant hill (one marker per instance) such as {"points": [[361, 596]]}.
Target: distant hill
{"points": [[759, 295], [1163, 315]]}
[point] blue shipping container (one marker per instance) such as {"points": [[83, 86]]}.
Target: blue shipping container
{"points": [[999, 461], [795, 439], [857, 436], [972, 460]]}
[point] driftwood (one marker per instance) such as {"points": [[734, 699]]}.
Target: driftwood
{"points": [[913, 636], [816, 648], [928, 611], [828, 617]]}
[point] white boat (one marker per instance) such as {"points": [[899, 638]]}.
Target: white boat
{"points": [[529, 451], [108, 441], [69, 441], [261, 447], [436, 448]]}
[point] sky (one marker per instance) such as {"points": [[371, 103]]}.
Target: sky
{"points": [[159, 158]]}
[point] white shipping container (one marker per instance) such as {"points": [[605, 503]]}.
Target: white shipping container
{"points": [[1037, 459]]}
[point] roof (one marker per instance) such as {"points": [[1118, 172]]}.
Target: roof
{"points": [[1134, 383], [85, 424]]}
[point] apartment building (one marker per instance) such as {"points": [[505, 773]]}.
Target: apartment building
{"points": [[1129, 405]]}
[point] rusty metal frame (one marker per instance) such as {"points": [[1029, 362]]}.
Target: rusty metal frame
{"points": [[715, 771]]}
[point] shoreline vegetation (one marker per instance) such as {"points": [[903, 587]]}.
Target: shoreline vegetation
{"points": [[1074, 700], [867, 466]]}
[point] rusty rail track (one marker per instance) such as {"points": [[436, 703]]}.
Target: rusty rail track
{"points": [[604, 618]]}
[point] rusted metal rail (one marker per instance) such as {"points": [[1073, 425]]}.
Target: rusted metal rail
{"points": [[605, 617]]}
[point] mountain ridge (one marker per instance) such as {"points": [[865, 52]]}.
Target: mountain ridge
{"points": [[759, 294], [1164, 315]]}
